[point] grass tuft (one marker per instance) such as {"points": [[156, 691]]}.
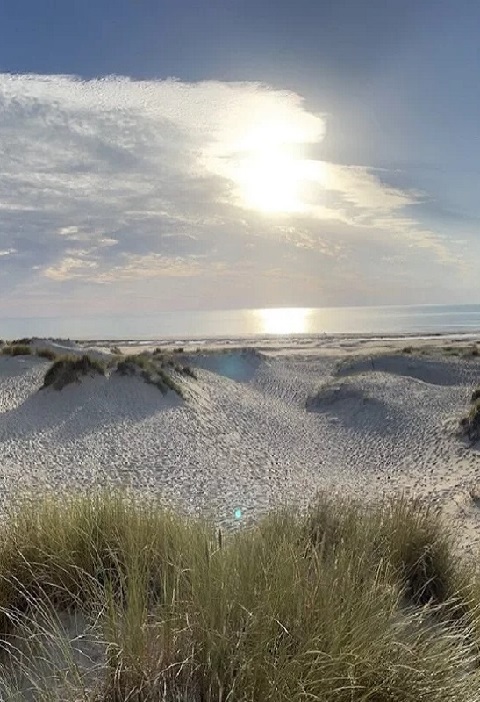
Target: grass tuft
{"points": [[67, 370], [470, 424], [342, 604], [153, 370], [16, 350], [48, 354], [156, 371]]}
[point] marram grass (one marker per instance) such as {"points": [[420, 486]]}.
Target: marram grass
{"points": [[342, 604]]}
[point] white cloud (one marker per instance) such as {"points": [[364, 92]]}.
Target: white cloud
{"points": [[149, 266], [362, 188], [114, 180], [69, 268]]}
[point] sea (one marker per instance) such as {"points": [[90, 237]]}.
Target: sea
{"points": [[393, 320]]}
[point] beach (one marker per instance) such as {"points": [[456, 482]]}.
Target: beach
{"points": [[265, 423]]}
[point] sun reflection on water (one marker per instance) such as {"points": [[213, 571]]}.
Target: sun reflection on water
{"points": [[284, 320]]}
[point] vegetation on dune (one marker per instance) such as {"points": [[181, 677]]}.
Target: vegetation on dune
{"points": [[16, 350], [22, 347], [67, 370], [48, 354], [342, 604], [469, 351], [152, 373], [156, 371], [158, 368], [129, 365], [24, 341], [406, 535], [460, 351], [188, 371], [470, 424]]}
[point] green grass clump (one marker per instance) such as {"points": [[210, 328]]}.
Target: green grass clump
{"points": [[155, 370], [462, 351], [470, 351], [188, 371], [48, 354], [129, 364], [470, 424], [406, 535], [162, 380], [67, 370], [342, 604], [16, 350], [24, 341]]}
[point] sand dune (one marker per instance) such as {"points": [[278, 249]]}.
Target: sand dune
{"points": [[433, 371], [356, 409], [255, 430], [82, 408]]}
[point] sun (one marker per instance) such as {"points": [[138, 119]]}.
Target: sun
{"points": [[269, 171], [275, 179], [269, 181]]}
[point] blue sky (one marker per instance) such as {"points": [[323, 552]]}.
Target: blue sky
{"points": [[307, 153]]}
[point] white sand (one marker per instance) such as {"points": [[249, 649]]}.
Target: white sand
{"points": [[256, 430], [380, 422]]}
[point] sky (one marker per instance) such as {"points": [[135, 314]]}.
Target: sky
{"points": [[160, 155]]}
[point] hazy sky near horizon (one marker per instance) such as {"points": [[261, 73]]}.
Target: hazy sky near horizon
{"points": [[159, 155]]}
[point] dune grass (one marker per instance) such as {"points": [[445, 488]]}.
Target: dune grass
{"points": [[68, 369], [470, 424], [48, 354], [341, 604], [465, 351], [156, 370], [16, 350], [160, 372]]}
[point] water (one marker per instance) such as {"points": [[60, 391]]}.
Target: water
{"points": [[413, 319]]}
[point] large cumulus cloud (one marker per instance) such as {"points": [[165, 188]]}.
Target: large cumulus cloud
{"points": [[112, 188]]}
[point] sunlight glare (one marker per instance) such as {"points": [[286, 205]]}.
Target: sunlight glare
{"points": [[267, 165], [269, 182], [272, 180], [284, 320]]}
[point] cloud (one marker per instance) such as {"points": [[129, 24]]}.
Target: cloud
{"points": [[70, 267], [364, 190], [149, 266], [128, 183]]}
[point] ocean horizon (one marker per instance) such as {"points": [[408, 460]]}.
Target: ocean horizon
{"points": [[259, 322]]}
